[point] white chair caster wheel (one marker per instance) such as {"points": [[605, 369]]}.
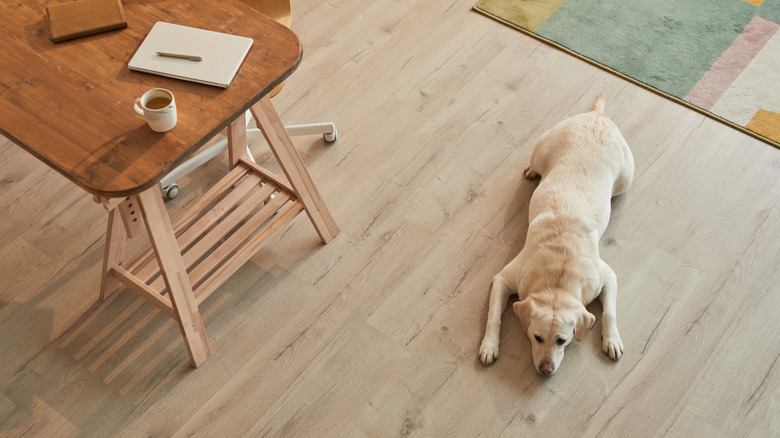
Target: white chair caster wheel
{"points": [[171, 191], [330, 137]]}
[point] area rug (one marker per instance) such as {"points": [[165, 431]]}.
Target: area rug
{"points": [[721, 57]]}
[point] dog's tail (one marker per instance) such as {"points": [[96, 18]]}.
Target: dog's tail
{"points": [[598, 105]]}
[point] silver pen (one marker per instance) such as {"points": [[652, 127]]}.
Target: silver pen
{"points": [[180, 56]]}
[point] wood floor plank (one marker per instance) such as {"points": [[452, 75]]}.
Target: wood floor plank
{"points": [[751, 390], [689, 424], [377, 332]]}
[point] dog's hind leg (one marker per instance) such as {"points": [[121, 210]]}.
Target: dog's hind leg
{"points": [[499, 295], [610, 342], [547, 150], [626, 174], [540, 156]]}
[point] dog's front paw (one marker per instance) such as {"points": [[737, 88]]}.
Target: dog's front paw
{"points": [[488, 352], [530, 173], [612, 345]]}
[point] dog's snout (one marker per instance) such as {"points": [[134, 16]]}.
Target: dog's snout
{"points": [[546, 367]]}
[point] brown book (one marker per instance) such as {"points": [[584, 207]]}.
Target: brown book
{"points": [[84, 17]]}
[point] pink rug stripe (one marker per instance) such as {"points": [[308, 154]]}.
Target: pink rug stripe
{"points": [[731, 63]]}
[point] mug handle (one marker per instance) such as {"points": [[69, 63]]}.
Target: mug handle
{"points": [[136, 106]]}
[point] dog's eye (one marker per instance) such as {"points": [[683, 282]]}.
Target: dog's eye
{"points": [[539, 339], [560, 341]]}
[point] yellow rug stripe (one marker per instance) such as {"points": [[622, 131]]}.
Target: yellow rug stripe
{"points": [[529, 14], [766, 123]]}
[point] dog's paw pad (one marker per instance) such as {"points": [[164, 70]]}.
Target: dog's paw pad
{"points": [[612, 346], [488, 353], [530, 173]]}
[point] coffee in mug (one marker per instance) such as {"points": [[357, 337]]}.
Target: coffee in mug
{"points": [[158, 108], [158, 102]]}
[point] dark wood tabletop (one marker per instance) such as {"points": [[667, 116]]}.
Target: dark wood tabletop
{"points": [[70, 103]]}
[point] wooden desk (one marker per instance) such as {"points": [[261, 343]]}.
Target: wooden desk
{"points": [[69, 104]]}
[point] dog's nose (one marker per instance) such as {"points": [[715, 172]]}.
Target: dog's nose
{"points": [[546, 367]]}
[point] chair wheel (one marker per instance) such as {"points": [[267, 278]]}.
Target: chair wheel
{"points": [[331, 136], [171, 191]]}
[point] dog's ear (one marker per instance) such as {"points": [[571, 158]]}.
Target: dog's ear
{"points": [[523, 311], [584, 322]]}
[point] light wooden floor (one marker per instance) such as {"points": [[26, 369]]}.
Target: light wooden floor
{"points": [[376, 333]]}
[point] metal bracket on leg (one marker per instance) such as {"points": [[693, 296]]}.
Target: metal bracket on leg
{"points": [[168, 183]]}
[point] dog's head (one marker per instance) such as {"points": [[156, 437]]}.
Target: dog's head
{"points": [[551, 326]]}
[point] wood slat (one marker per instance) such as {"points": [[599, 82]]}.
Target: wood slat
{"points": [[214, 214], [140, 261], [218, 191], [212, 236], [231, 265], [220, 254]]}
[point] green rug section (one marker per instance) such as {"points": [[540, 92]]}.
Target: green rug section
{"points": [[667, 44], [718, 57]]}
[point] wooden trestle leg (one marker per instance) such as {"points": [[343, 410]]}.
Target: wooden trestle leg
{"points": [[113, 253], [123, 222], [215, 241], [291, 163], [174, 273]]}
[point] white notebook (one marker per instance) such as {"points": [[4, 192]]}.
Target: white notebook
{"points": [[221, 53]]}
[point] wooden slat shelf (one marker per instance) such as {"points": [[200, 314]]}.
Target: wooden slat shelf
{"points": [[217, 234], [188, 260]]}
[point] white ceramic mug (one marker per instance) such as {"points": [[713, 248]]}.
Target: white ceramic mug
{"points": [[158, 108]]}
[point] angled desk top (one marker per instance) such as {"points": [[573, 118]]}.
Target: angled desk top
{"points": [[70, 103]]}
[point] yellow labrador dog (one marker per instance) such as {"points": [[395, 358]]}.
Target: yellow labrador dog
{"points": [[583, 161]]}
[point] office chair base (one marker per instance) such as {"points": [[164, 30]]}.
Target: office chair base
{"points": [[171, 189], [328, 130]]}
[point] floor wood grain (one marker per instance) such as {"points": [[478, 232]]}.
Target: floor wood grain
{"points": [[376, 333]]}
